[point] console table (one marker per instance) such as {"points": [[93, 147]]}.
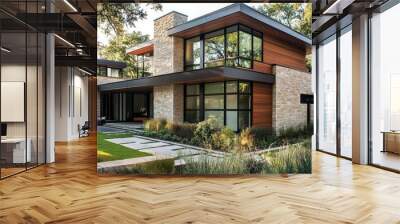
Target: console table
{"points": [[13, 150], [391, 141]]}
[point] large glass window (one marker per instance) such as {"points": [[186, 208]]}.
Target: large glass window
{"points": [[192, 54], [346, 93], [245, 47], [327, 95], [229, 102], [385, 89], [235, 46], [257, 46], [214, 49], [143, 65], [192, 103], [232, 46]]}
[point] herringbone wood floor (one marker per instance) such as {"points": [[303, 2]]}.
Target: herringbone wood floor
{"points": [[70, 191]]}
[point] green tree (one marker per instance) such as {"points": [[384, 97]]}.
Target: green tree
{"points": [[116, 50], [297, 16], [115, 18]]}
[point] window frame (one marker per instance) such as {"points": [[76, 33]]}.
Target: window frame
{"points": [[239, 27], [225, 94]]}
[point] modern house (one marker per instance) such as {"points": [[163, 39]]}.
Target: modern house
{"points": [[234, 64], [357, 81], [48, 83]]}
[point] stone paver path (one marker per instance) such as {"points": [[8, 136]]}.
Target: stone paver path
{"points": [[158, 149]]}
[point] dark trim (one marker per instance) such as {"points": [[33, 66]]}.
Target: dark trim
{"points": [[338, 117], [369, 100], [225, 73], [111, 64], [242, 8], [317, 96]]}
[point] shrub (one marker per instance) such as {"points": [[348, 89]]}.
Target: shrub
{"points": [[184, 130], [246, 141], [223, 140], [261, 133], [205, 129], [155, 124], [292, 159]]}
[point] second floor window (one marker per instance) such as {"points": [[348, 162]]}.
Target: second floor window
{"points": [[214, 49], [192, 54], [235, 46]]}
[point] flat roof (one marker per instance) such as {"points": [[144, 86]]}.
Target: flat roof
{"points": [[242, 8], [197, 76], [111, 64]]}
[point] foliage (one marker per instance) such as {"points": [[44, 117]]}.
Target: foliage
{"points": [[185, 130], [116, 17], [108, 151], [155, 125], [297, 16], [156, 167], [224, 140], [116, 50], [227, 165], [246, 141], [268, 138], [292, 159], [205, 129]]}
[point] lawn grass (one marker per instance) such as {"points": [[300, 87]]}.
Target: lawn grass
{"points": [[108, 151]]}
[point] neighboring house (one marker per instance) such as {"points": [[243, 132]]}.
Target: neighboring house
{"points": [[234, 64], [109, 71]]}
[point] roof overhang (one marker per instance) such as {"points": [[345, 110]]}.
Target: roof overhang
{"points": [[236, 9], [203, 75], [143, 48], [111, 64]]}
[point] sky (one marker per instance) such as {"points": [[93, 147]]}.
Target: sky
{"points": [[193, 10]]}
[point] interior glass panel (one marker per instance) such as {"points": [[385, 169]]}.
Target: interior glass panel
{"points": [[327, 95], [385, 89], [346, 93]]}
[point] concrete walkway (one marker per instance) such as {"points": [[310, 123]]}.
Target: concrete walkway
{"points": [[157, 148]]}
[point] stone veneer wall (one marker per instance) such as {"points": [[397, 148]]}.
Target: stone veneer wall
{"points": [[168, 50], [168, 102], [168, 58], [286, 108]]}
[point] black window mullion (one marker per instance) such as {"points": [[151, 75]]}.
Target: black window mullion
{"points": [[202, 51], [224, 103], [238, 46], [238, 106], [252, 48], [225, 46]]}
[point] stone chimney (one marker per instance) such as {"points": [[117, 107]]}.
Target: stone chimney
{"points": [[168, 50]]}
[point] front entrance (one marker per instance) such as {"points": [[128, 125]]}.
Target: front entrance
{"points": [[126, 106]]}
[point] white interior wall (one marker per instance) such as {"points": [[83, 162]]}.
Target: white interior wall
{"points": [[71, 102]]}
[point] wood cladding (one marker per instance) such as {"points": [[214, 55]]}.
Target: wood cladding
{"points": [[262, 105]]}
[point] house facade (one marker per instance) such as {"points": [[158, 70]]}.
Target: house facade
{"points": [[234, 64]]}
